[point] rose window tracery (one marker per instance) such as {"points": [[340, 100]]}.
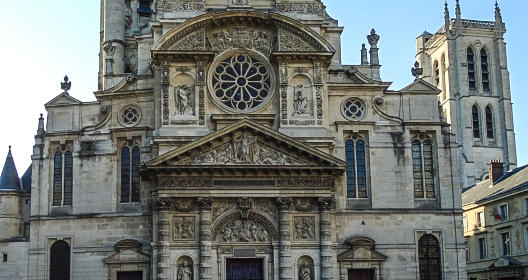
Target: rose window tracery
{"points": [[242, 83], [354, 109]]}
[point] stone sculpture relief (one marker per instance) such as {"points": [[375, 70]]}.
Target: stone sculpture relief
{"points": [[185, 271], [245, 149], [304, 228], [220, 208], [240, 3], [290, 42], [191, 42], [241, 37], [244, 231], [184, 97], [184, 228]]}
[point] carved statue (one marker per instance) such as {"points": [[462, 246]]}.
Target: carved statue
{"points": [[300, 101], [246, 148], [305, 272], [185, 272], [183, 97]]}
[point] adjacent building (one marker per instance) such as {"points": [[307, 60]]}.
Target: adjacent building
{"points": [[228, 141], [496, 225]]}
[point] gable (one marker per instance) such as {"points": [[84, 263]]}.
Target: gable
{"points": [[421, 87], [246, 143], [62, 99], [127, 256]]}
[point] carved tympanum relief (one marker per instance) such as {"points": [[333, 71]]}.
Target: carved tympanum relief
{"points": [[241, 37], [245, 149], [247, 230], [184, 227], [304, 228]]}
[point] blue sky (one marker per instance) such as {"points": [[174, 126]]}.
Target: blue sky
{"points": [[44, 40]]}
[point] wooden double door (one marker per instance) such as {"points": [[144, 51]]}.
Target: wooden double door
{"points": [[130, 275], [244, 269], [361, 274]]}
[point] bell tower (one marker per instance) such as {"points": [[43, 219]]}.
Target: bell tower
{"points": [[466, 60]]}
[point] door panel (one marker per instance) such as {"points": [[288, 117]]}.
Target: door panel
{"points": [[244, 269], [130, 275], [361, 274]]}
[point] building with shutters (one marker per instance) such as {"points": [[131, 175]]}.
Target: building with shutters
{"points": [[228, 141]]}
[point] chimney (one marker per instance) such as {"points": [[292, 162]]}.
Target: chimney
{"points": [[496, 170]]}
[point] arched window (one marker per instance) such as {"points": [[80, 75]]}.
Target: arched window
{"points": [[436, 73], [429, 258], [484, 69], [490, 134], [62, 177], [130, 173], [356, 167], [60, 261], [476, 121], [471, 69], [423, 167]]}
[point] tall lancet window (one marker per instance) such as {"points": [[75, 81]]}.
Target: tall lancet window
{"points": [[130, 160], [436, 73], [471, 69], [62, 177], [490, 133], [484, 69], [356, 169], [423, 167], [476, 121]]}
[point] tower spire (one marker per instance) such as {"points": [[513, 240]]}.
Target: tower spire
{"points": [[9, 178], [447, 18]]}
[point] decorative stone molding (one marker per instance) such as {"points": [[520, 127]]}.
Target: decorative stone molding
{"points": [[246, 37], [289, 42], [240, 3], [205, 203], [163, 204], [167, 6], [184, 205], [185, 182], [304, 204], [165, 83], [306, 182], [194, 41], [284, 203], [326, 203]]}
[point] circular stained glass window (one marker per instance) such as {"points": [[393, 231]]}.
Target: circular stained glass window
{"points": [[354, 109], [242, 83], [130, 115]]}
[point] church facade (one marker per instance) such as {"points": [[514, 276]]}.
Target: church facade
{"points": [[228, 141]]}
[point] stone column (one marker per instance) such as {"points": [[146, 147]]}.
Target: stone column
{"points": [[326, 264], [285, 262], [205, 238], [164, 206]]}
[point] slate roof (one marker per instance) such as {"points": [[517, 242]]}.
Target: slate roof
{"points": [[26, 179], [511, 181], [9, 178]]}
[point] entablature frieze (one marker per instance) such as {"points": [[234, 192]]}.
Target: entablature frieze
{"points": [[226, 183]]}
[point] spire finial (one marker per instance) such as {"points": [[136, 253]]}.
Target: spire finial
{"points": [[458, 12], [66, 85], [10, 148], [497, 10], [447, 18], [40, 127]]}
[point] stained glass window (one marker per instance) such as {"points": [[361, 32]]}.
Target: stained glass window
{"points": [[130, 160], [62, 177], [423, 167], [356, 170], [354, 108], [429, 258]]}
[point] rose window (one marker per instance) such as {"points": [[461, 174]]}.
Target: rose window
{"points": [[241, 83], [354, 109], [130, 115]]}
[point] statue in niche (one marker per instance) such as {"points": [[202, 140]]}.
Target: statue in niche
{"points": [[305, 272], [185, 272], [184, 100], [300, 101]]}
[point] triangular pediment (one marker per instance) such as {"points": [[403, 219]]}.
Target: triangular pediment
{"points": [[505, 262], [422, 87], [247, 144], [127, 256], [62, 99], [361, 254]]}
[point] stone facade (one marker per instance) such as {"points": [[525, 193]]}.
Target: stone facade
{"points": [[228, 136]]}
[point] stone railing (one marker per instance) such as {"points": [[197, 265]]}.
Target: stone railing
{"points": [[478, 24]]}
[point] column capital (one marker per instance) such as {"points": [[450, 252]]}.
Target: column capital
{"points": [[284, 203], [204, 203], [163, 204], [326, 203]]}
